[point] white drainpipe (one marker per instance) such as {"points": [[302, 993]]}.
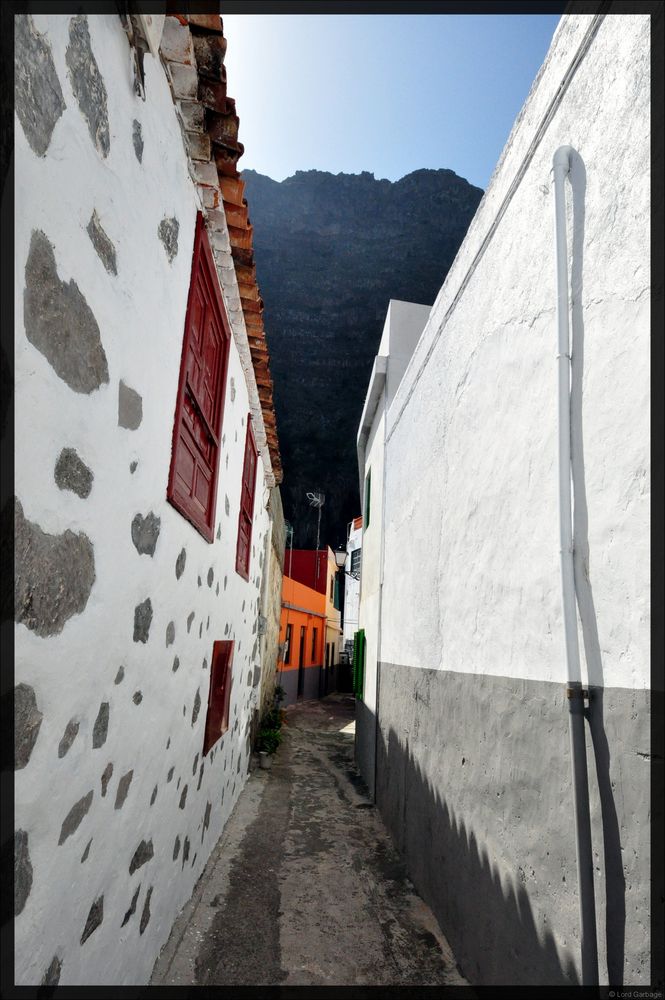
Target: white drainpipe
{"points": [[575, 693]]}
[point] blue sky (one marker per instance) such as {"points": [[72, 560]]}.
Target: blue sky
{"points": [[384, 93]]}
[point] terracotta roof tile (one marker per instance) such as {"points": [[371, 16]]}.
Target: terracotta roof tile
{"points": [[196, 43]]}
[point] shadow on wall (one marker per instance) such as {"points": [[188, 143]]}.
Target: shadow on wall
{"points": [[615, 883], [488, 921]]}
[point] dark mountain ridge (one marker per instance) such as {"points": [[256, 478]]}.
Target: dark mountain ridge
{"points": [[331, 251]]}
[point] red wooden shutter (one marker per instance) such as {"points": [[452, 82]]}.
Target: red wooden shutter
{"points": [[192, 485], [246, 503], [219, 698]]}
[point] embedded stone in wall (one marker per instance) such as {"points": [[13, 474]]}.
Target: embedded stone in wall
{"points": [[219, 535], [101, 726], [137, 697], [106, 777], [132, 906], [143, 853], [68, 737], [120, 675], [170, 634], [176, 664], [206, 820], [59, 321], [153, 796], [233, 389], [123, 789], [133, 467], [71, 473], [95, 917], [87, 83], [190, 619], [142, 620], [176, 848], [180, 564], [211, 576], [130, 407], [183, 797], [195, 764], [185, 850], [145, 916], [169, 776], [74, 817], [168, 234], [227, 508], [54, 575], [22, 871], [37, 92], [145, 532], [52, 975], [102, 243], [225, 581], [197, 707], [27, 720], [84, 856], [137, 139], [198, 784]]}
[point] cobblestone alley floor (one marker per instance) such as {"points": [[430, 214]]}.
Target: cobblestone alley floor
{"points": [[304, 886]]}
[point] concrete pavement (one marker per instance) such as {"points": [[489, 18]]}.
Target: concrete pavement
{"points": [[304, 886]]}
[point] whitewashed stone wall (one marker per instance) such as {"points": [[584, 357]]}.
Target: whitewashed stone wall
{"points": [[116, 810]]}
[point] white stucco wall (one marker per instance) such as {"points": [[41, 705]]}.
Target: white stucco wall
{"points": [[471, 480], [351, 586], [141, 314]]}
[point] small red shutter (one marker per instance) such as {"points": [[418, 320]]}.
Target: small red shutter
{"points": [[219, 698], [192, 485], [246, 503]]}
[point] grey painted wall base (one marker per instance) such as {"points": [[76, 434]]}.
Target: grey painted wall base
{"points": [[366, 743], [473, 781], [289, 681]]}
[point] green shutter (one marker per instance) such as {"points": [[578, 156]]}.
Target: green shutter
{"points": [[359, 663]]}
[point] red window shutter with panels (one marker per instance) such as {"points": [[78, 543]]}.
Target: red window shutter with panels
{"points": [[219, 698], [247, 503], [192, 485]]}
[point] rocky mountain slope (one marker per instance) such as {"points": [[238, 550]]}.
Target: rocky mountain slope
{"points": [[331, 250]]}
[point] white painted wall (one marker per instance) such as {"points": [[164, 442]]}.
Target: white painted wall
{"points": [[141, 316], [402, 329], [471, 521], [351, 586]]}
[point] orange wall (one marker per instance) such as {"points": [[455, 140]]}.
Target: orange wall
{"points": [[311, 607]]}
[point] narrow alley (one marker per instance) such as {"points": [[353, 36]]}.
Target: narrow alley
{"points": [[304, 886]]}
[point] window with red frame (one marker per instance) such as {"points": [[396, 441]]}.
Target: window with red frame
{"points": [[247, 503], [192, 487], [219, 698]]}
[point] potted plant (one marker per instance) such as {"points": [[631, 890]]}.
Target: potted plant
{"points": [[269, 736]]}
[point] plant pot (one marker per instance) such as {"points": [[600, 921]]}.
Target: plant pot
{"points": [[265, 760]]}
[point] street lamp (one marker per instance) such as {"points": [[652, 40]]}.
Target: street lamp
{"points": [[340, 557], [317, 500]]}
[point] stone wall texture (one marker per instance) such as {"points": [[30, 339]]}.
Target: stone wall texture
{"points": [[115, 623], [473, 772]]}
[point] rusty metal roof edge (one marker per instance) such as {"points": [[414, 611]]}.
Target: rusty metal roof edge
{"points": [[212, 205]]}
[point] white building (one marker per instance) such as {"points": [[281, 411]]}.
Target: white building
{"points": [[146, 472], [460, 594], [352, 582], [402, 329]]}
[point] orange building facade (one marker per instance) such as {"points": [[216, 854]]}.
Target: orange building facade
{"points": [[302, 637]]}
